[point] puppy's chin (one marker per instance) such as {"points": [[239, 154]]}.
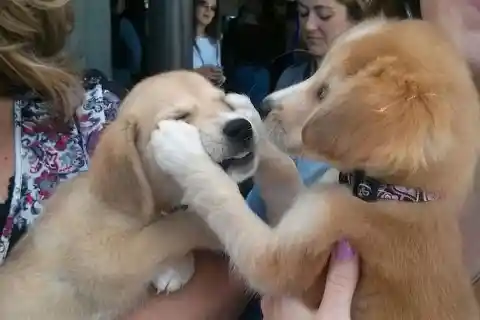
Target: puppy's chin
{"points": [[242, 173], [290, 142]]}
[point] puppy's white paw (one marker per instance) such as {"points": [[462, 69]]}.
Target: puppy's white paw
{"points": [[176, 146], [173, 276]]}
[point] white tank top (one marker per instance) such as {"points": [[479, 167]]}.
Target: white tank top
{"points": [[206, 53]]}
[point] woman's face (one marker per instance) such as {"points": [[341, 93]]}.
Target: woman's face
{"points": [[205, 12], [321, 21]]}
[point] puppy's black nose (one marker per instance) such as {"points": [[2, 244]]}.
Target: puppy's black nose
{"points": [[266, 107], [238, 131]]}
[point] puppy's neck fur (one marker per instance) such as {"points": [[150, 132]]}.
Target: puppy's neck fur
{"points": [[453, 186]]}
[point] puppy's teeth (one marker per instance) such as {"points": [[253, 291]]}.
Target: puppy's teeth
{"points": [[241, 155]]}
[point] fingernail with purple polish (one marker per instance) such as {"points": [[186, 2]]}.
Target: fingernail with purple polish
{"points": [[344, 251]]}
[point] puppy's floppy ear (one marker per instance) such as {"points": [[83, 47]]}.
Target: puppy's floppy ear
{"points": [[117, 173], [385, 119]]}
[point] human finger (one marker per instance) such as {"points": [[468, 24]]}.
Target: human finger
{"points": [[285, 309], [341, 282]]}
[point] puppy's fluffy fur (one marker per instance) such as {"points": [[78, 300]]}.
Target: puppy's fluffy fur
{"points": [[103, 236], [393, 99]]}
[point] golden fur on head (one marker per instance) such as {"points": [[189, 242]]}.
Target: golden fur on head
{"points": [[103, 236], [393, 99], [125, 144]]}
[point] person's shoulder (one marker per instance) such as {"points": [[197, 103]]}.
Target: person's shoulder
{"points": [[102, 96], [296, 68], [101, 106], [291, 75]]}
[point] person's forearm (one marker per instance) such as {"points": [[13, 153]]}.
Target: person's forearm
{"points": [[212, 294]]}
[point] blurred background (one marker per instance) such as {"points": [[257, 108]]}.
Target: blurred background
{"points": [[156, 35]]}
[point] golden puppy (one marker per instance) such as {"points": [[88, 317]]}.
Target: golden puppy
{"points": [[393, 107], [105, 235]]}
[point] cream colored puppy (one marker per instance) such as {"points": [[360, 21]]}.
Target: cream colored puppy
{"points": [[106, 234]]}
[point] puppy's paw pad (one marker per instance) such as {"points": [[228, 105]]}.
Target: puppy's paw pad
{"points": [[169, 282], [173, 277]]}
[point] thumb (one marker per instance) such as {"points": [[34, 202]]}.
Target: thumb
{"points": [[341, 282], [285, 309]]}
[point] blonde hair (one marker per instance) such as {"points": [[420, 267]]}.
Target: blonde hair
{"points": [[33, 34]]}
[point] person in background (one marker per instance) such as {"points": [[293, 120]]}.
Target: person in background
{"points": [[321, 22], [278, 29], [206, 45], [136, 13], [248, 50], [127, 51]]}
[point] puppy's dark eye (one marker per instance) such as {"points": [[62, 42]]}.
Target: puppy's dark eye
{"points": [[322, 92], [183, 116]]}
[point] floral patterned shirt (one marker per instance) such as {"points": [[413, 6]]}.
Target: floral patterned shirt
{"points": [[44, 158]]}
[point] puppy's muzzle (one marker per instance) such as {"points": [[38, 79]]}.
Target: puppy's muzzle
{"points": [[240, 136], [239, 133]]}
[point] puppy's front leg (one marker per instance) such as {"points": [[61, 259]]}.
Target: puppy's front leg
{"points": [[287, 258], [284, 259], [278, 180], [276, 177]]}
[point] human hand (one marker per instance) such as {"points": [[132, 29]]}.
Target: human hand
{"points": [[218, 76], [460, 21], [212, 73], [220, 81], [337, 299]]}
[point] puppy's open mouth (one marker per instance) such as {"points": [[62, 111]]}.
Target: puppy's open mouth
{"points": [[241, 159]]}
